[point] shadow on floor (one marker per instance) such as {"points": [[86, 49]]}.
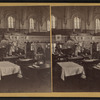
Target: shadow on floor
{"points": [[14, 84]]}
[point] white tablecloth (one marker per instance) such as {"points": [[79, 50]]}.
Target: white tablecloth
{"points": [[8, 68], [70, 69]]}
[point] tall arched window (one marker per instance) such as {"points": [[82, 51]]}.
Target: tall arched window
{"points": [[48, 25], [53, 22], [31, 23], [77, 23], [10, 22], [97, 24]]}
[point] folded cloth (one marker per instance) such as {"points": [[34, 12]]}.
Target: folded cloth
{"points": [[8, 68], [70, 69], [97, 66]]}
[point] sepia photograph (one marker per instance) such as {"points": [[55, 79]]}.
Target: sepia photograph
{"points": [[49, 50], [25, 62], [76, 48]]}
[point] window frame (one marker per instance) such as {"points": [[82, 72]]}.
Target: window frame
{"points": [[48, 25], [53, 22], [10, 20], [31, 23], [97, 23], [77, 22]]}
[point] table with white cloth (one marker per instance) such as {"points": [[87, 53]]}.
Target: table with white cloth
{"points": [[8, 68], [70, 69]]}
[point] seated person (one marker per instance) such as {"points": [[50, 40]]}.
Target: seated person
{"points": [[19, 51], [58, 50], [47, 52], [77, 50], [12, 50], [2, 53], [85, 53], [40, 50], [68, 52], [40, 54]]}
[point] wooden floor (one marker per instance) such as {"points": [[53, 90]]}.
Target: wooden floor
{"points": [[74, 83], [26, 84]]}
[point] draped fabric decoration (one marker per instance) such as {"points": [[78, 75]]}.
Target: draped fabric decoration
{"points": [[1, 15], [88, 16], [40, 19], [65, 19], [69, 43], [15, 13], [3, 43], [22, 16]]}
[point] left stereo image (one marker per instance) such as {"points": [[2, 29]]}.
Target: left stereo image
{"points": [[25, 61]]}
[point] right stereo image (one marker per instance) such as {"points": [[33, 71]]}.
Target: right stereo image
{"points": [[76, 48]]}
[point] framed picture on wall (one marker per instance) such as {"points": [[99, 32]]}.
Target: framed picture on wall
{"points": [[58, 38]]}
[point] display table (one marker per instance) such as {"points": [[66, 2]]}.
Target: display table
{"points": [[90, 62], [75, 59], [37, 72], [8, 68], [71, 69], [60, 57], [12, 59], [96, 72], [25, 62], [88, 66]]}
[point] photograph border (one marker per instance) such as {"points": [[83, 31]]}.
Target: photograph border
{"points": [[51, 94]]}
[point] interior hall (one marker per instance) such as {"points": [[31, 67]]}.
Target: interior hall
{"points": [[25, 49], [76, 48]]}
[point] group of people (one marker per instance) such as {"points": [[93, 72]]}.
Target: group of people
{"points": [[71, 50], [10, 48]]}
